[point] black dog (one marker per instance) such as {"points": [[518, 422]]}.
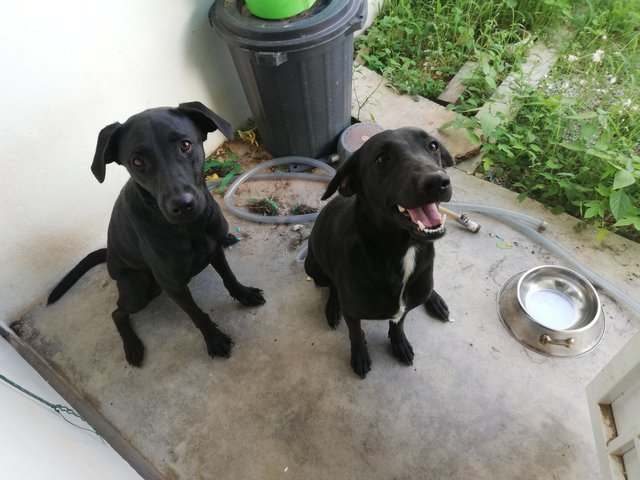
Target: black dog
{"points": [[165, 226], [373, 246]]}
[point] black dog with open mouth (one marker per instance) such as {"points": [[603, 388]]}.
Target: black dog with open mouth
{"points": [[373, 245]]}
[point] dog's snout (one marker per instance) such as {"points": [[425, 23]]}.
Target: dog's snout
{"points": [[183, 204], [435, 182]]}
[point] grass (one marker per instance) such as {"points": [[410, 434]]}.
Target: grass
{"points": [[419, 45], [574, 143]]}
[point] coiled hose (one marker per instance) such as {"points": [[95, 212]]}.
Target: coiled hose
{"points": [[526, 224], [253, 175]]}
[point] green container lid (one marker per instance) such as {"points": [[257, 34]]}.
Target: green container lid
{"points": [[278, 9]]}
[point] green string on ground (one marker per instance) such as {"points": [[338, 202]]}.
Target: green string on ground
{"points": [[56, 407]]}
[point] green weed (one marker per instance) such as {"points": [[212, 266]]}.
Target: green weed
{"points": [[419, 45], [574, 141]]}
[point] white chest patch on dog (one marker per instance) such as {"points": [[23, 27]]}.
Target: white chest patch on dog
{"points": [[408, 266]]}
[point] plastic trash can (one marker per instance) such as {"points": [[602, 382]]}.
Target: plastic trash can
{"points": [[296, 73]]}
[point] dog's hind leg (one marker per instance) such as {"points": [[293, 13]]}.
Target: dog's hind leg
{"points": [[437, 307], [248, 296], [360, 360], [218, 343], [332, 309], [400, 346], [230, 240], [314, 271]]}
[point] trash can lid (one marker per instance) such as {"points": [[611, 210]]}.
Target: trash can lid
{"points": [[278, 9], [325, 20]]}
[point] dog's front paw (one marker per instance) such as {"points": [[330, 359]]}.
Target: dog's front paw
{"points": [[249, 296], [218, 343], [401, 347], [133, 351], [360, 361], [437, 307]]}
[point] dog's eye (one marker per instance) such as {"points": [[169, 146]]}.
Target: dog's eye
{"points": [[433, 146], [185, 146], [381, 159], [137, 162]]}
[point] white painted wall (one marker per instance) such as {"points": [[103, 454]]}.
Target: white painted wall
{"points": [[617, 429], [68, 68], [373, 9], [36, 443]]}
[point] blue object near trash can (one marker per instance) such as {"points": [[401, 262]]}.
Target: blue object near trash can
{"points": [[296, 73]]}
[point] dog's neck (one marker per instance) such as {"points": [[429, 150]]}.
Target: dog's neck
{"points": [[384, 230]]}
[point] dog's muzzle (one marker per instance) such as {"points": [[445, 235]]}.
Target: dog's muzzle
{"points": [[426, 219], [183, 208]]}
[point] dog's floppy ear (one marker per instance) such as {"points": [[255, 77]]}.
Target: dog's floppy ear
{"points": [[446, 157], [105, 150], [346, 178], [206, 119]]}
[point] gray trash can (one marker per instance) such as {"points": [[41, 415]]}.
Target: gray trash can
{"points": [[296, 73]]}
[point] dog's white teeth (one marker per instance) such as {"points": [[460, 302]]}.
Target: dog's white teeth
{"points": [[422, 228], [401, 209]]}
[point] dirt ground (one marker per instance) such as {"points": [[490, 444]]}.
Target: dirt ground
{"points": [[270, 197]]}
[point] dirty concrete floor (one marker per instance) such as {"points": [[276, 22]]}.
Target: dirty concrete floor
{"points": [[475, 404]]}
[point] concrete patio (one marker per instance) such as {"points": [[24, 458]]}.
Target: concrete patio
{"points": [[474, 405]]}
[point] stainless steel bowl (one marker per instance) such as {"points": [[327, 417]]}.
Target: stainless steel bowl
{"points": [[552, 310]]}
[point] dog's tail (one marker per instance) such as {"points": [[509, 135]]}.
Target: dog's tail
{"points": [[88, 262]]}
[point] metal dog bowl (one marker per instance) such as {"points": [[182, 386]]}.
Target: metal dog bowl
{"points": [[552, 310]]}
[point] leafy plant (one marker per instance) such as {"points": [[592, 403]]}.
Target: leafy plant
{"points": [[573, 143], [224, 169], [263, 206], [568, 159], [420, 45]]}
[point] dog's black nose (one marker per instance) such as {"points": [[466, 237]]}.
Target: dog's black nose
{"points": [[435, 182], [184, 204]]}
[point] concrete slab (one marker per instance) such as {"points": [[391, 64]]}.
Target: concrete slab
{"points": [[455, 88], [475, 404]]}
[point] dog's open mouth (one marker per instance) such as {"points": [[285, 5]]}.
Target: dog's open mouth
{"points": [[425, 221]]}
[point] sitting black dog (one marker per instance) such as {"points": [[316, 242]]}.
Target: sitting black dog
{"points": [[373, 246], [165, 226]]}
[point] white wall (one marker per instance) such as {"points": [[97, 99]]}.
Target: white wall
{"points": [[68, 68], [36, 443], [373, 9]]}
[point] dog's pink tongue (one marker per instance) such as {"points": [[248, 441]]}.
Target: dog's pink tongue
{"points": [[428, 215]]}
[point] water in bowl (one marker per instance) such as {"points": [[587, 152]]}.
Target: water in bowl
{"points": [[551, 309]]}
